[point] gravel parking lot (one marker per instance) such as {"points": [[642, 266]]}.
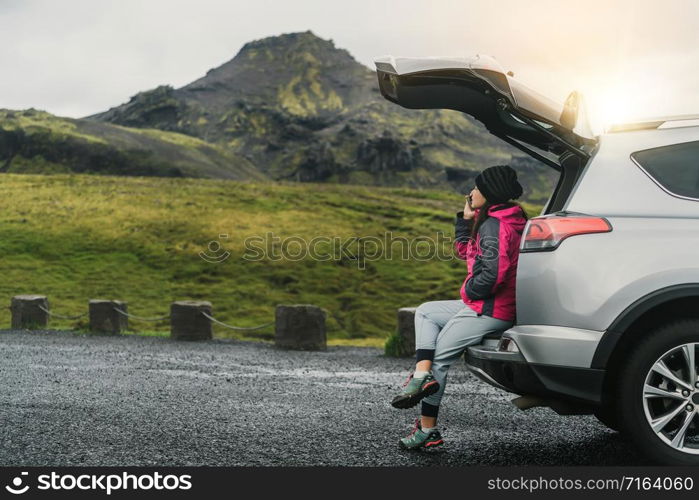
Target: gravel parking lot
{"points": [[75, 399]]}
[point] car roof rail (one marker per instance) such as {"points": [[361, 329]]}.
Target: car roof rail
{"points": [[662, 122]]}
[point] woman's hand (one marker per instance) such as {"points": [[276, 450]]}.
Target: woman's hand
{"points": [[468, 212]]}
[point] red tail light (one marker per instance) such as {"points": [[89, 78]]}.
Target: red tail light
{"points": [[546, 233]]}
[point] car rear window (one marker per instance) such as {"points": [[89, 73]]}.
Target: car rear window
{"points": [[675, 167]]}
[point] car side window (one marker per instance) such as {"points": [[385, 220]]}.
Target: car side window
{"points": [[675, 167]]}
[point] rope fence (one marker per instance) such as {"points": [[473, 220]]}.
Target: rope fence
{"points": [[141, 318], [61, 316], [296, 326], [239, 328]]}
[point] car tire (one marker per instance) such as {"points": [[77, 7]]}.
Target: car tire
{"points": [[654, 385], [607, 415]]}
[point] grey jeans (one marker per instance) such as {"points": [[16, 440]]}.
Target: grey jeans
{"points": [[448, 327]]}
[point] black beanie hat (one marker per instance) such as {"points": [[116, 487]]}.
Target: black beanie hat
{"points": [[499, 184]]}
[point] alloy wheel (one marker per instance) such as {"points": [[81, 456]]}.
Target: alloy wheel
{"points": [[671, 398]]}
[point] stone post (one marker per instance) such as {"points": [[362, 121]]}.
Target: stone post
{"points": [[104, 317], [406, 330], [187, 321], [300, 326], [27, 313]]}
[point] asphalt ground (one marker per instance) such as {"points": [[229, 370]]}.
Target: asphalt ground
{"points": [[77, 399]]}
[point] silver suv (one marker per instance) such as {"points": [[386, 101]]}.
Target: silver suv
{"points": [[608, 274]]}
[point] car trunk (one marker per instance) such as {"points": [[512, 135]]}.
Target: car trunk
{"points": [[556, 134]]}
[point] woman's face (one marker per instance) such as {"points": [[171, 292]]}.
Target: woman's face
{"points": [[477, 199]]}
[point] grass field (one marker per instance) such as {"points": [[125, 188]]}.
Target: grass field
{"points": [[75, 237]]}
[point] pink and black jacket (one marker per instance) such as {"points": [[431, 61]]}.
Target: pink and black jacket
{"points": [[491, 257]]}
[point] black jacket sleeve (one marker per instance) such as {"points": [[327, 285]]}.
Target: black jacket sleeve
{"points": [[485, 273], [462, 228], [462, 233]]}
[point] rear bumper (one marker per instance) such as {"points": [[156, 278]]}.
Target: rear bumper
{"points": [[546, 365], [556, 345]]}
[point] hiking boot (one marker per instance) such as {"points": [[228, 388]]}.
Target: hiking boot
{"points": [[418, 440], [414, 389]]}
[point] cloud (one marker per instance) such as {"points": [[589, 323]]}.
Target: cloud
{"points": [[78, 57]]}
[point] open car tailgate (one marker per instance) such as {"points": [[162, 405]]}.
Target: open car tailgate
{"points": [[481, 88]]}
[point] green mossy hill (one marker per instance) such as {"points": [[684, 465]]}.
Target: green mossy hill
{"points": [[34, 141], [74, 237]]}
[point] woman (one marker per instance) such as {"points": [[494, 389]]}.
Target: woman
{"points": [[444, 328]]}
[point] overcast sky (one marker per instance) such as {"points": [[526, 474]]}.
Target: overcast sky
{"points": [[78, 57]]}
